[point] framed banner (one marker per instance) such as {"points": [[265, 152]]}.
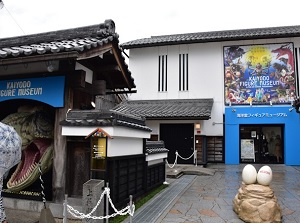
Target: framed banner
{"points": [[259, 74], [98, 153], [247, 150]]}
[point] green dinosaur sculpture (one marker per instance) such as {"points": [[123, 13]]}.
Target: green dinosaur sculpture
{"points": [[36, 131]]}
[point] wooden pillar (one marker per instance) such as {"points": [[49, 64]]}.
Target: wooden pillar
{"points": [[60, 151]]}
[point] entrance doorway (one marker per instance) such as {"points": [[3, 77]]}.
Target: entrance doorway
{"points": [[180, 138], [261, 144]]}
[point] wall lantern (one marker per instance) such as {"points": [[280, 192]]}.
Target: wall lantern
{"points": [[197, 127]]}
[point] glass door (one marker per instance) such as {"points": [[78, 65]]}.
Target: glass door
{"points": [[261, 143]]}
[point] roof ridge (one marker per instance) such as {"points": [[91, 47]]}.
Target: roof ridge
{"points": [[215, 36], [99, 30], [226, 30]]}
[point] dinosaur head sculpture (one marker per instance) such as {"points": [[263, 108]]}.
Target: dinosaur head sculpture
{"points": [[36, 130]]}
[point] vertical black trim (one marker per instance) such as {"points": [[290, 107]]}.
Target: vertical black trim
{"points": [[166, 87], [163, 73], [179, 72], [159, 65], [187, 72], [183, 71]]}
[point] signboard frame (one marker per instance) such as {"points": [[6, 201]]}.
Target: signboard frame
{"points": [[259, 74], [98, 152], [247, 150]]}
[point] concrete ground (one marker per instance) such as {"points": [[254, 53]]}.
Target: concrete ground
{"points": [[208, 199]]}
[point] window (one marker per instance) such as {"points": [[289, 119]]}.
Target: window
{"points": [[162, 73], [215, 149], [183, 72]]}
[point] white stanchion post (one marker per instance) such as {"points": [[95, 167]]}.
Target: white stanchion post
{"points": [[107, 202], [166, 183], [130, 217], [176, 154], [196, 157], [65, 217]]}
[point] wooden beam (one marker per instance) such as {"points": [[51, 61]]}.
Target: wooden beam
{"points": [[99, 87], [77, 79], [117, 56], [121, 92], [28, 59], [96, 52]]}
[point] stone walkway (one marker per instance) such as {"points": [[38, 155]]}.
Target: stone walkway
{"points": [[209, 198]]}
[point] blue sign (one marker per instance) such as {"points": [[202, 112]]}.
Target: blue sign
{"points": [[262, 115], [49, 90]]}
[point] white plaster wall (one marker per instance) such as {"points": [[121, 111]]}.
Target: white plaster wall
{"points": [[113, 131], [156, 156], [156, 161], [122, 146], [206, 76]]}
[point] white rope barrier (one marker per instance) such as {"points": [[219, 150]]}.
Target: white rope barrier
{"points": [[176, 153], [187, 158], [176, 157], [127, 210]]}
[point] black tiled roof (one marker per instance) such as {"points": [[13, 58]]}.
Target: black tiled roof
{"points": [[100, 118], [168, 109], [83, 44], [215, 36], [76, 39], [153, 147]]}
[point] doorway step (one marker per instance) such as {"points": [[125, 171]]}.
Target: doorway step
{"points": [[180, 170]]}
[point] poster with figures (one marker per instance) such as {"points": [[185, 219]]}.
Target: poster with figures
{"points": [[259, 74], [247, 149]]}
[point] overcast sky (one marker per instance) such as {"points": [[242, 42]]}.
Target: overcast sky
{"points": [[137, 19]]}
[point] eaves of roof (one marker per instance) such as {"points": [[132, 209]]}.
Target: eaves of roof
{"points": [[172, 109], [215, 36], [81, 44], [99, 118]]}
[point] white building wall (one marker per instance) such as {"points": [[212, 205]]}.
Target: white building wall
{"points": [[122, 146], [206, 77]]}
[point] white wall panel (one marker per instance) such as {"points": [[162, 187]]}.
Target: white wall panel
{"points": [[122, 146]]}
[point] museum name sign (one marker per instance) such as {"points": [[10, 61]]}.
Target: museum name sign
{"points": [[261, 115], [49, 90]]}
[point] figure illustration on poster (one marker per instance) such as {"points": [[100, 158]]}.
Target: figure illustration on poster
{"points": [[259, 74]]}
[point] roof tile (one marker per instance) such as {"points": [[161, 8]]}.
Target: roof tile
{"points": [[154, 147], [77, 39], [214, 36], [168, 109], [103, 118]]}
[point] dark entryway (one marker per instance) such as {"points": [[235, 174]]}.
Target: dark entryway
{"points": [[180, 138], [79, 155], [261, 143]]}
